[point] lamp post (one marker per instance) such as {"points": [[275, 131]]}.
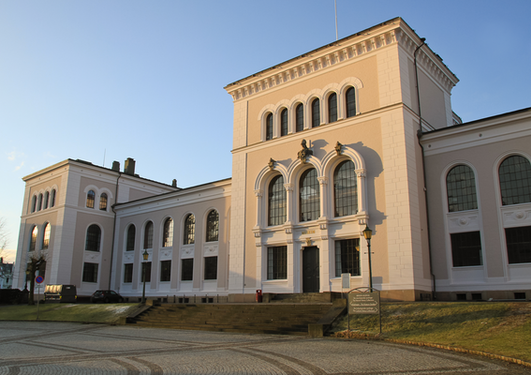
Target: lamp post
{"points": [[145, 255], [367, 233]]}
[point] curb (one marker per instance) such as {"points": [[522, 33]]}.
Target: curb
{"points": [[461, 350]]}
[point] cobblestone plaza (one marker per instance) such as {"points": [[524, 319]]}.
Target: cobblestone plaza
{"points": [[71, 348]]}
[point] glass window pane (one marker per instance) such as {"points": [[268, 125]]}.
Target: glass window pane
{"points": [[131, 233], [332, 108], [299, 118], [269, 127], [316, 113], [211, 268], [93, 238], [189, 230], [284, 122], [187, 271], [277, 263], [165, 270], [518, 244], [351, 102], [309, 196], [277, 201], [345, 189], [167, 240], [466, 249], [103, 202], [148, 236], [91, 196], [515, 180], [348, 257], [212, 226], [461, 189]]}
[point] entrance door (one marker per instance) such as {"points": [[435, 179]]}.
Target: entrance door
{"points": [[310, 270]]}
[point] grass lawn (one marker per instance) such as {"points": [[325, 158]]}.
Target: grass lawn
{"points": [[502, 328], [65, 312]]}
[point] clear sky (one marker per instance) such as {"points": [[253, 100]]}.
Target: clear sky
{"points": [[107, 80]]}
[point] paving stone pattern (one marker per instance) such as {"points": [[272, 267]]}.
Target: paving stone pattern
{"points": [[68, 348]]}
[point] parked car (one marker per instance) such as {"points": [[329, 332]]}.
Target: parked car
{"points": [[60, 293], [106, 296]]}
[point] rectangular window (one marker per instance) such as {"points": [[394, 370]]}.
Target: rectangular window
{"points": [[518, 244], [211, 268], [90, 272], [187, 272], [466, 249], [277, 263], [348, 257], [165, 270], [128, 273], [146, 271]]}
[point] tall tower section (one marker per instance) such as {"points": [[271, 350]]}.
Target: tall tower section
{"points": [[326, 144]]}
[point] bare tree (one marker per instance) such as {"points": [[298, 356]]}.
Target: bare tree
{"points": [[3, 235], [36, 262], [3, 244]]}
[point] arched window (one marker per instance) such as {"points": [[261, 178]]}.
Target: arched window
{"points": [[52, 199], [103, 202], [345, 189], [284, 122], [167, 239], [316, 113], [276, 201], [92, 242], [212, 232], [309, 196], [131, 234], [33, 239], [461, 189], [148, 235], [269, 127], [33, 203], [189, 230], [46, 198], [91, 196], [40, 203], [350, 100], [299, 118], [332, 108], [46, 237], [515, 180]]}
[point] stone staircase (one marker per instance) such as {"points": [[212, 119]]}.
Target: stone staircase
{"points": [[301, 297], [269, 318]]}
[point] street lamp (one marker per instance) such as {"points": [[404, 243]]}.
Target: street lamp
{"points": [[367, 233], [145, 255]]}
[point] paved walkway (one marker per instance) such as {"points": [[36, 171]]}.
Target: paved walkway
{"points": [[68, 348]]}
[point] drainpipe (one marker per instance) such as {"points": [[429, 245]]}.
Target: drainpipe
{"points": [[419, 135], [113, 228]]}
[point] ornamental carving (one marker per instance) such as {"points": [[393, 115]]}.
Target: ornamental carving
{"points": [[338, 148], [305, 152], [271, 163]]}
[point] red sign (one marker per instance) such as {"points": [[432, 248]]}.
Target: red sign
{"points": [[39, 279]]}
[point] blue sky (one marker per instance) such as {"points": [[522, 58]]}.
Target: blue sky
{"points": [[107, 80]]}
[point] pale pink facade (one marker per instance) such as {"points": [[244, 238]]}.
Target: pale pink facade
{"points": [[324, 145]]}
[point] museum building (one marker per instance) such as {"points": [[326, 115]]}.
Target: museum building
{"points": [[358, 133]]}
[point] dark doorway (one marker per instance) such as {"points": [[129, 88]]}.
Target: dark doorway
{"points": [[310, 270]]}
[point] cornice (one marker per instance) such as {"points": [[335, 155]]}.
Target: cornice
{"points": [[337, 54], [342, 52]]}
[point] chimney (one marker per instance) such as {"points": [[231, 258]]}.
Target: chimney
{"points": [[116, 166], [174, 183], [129, 167]]}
